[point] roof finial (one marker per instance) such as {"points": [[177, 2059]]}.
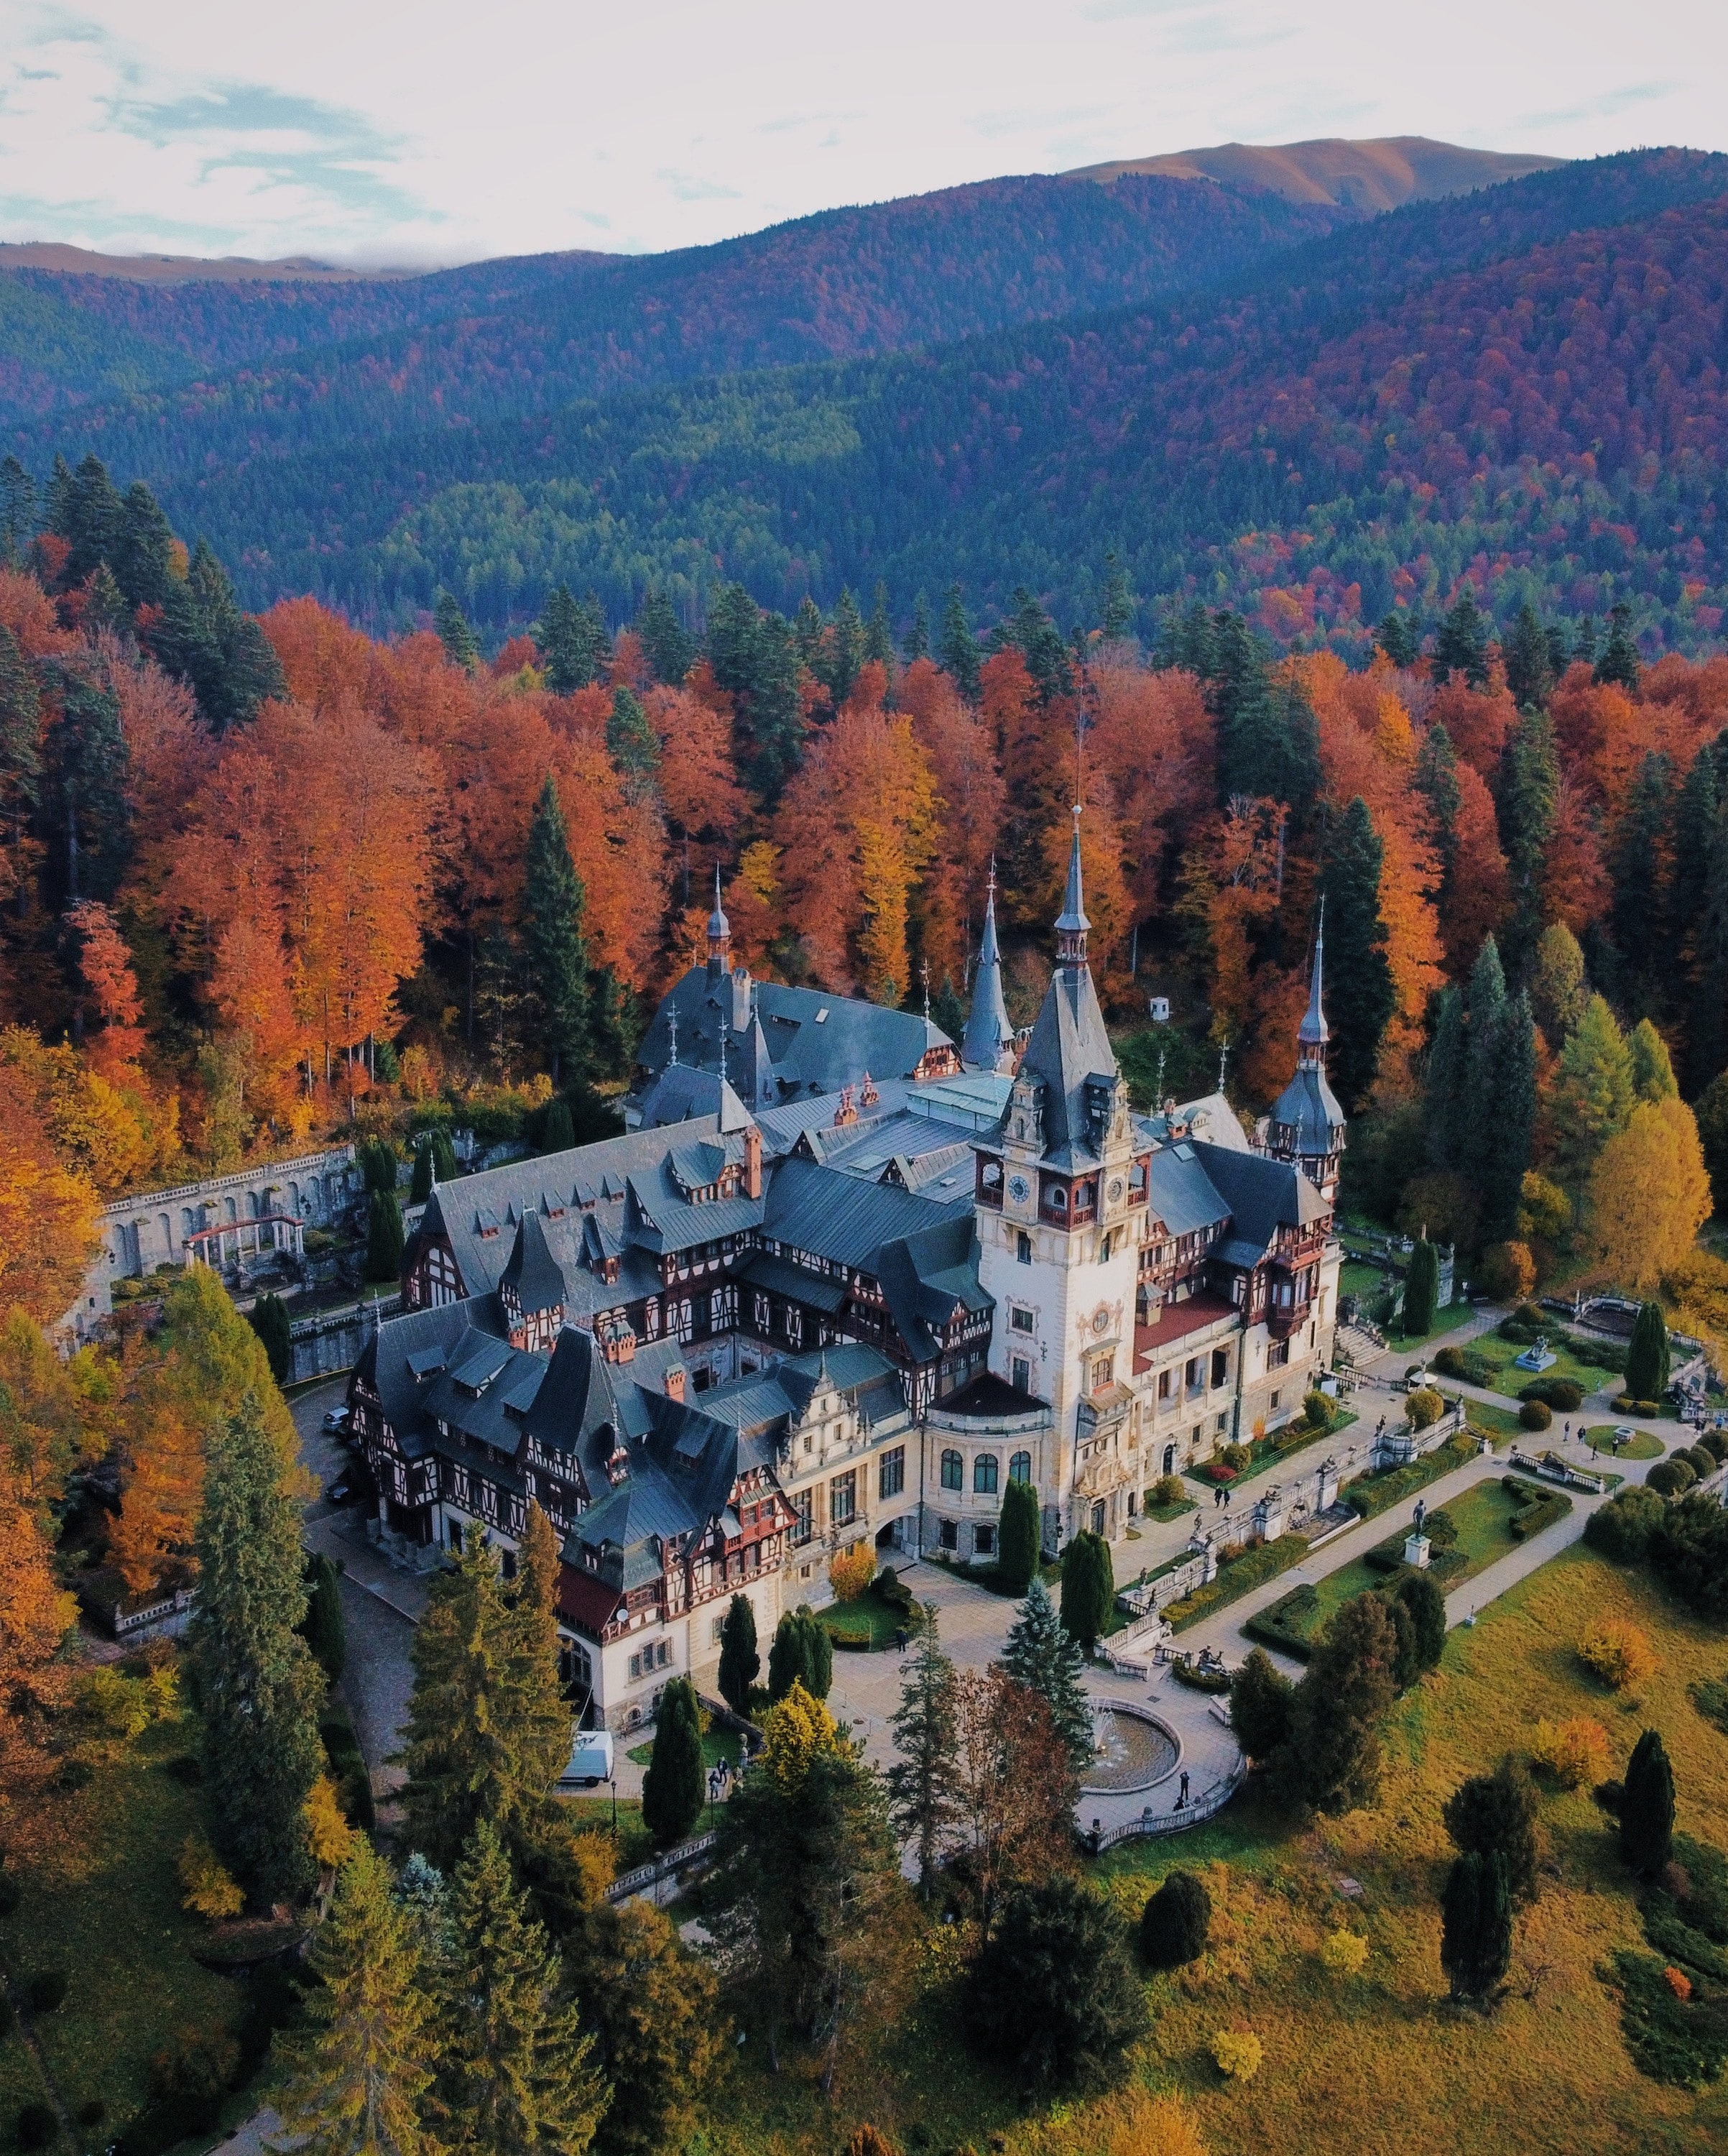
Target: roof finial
{"points": [[1071, 923], [1223, 1058], [672, 1021], [724, 1029], [988, 1034], [1313, 1033], [924, 970], [719, 929]]}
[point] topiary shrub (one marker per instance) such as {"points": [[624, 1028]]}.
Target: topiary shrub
{"points": [[1424, 1408], [1671, 1478], [1177, 1922], [46, 1991], [1317, 1411], [1563, 1394], [37, 2126], [1715, 1443], [1450, 1362], [1702, 1459], [1622, 1527], [1536, 1415], [1624, 1403]]}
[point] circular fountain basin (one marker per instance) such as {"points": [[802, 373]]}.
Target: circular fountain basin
{"points": [[1135, 1750]]}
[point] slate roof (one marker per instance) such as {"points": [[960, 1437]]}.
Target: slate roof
{"points": [[988, 1042], [405, 1360], [762, 1404], [1262, 1195], [532, 1273], [1309, 1107], [1180, 1192], [681, 1093], [925, 1275], [836, 1216]]}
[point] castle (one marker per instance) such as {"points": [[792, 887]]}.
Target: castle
{"points": [[780, 1314]]}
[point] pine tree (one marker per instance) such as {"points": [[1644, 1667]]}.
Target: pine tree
{"points": [[1040, 643], [454, 633], [1529, 676], [1653, 1077], [845, 647], [90, 512], [1476, 1925], [802, 1653], [1043, 1654], [1593, 1096], [957, 648], [917, 644], [420, 1188], [1399, 636], [553, 902], [539, 1714], [1647, 1355], [1461, 645], [258, 1689], [1116, 615], [268, 1317], [1529, 803], [877, 634], [1332, 1756], [1054, 1989], [1435, 776], [1701, 909], [670, 648], [756, 661], [661, 2037], [631, 741], [18, 509], [1506, 1143], [20, 741], [740, 1664], [1647, 1807], [1175, 1922], [88, 804], [1497, 1815], [517, 2075], [1359, 984], [1637, 862], [384, 1242], [920, 1783], [1018, 1536], [1558, 989], [1618, 660], [1421, 1597], [1712, 1114], [357, 2074], [324, 1627], [143, 556], [471, 1752], [573, 641], [1088, 1588], [672, 1789], [1260, 1696], [1446, 1083], [444, 1157], [1422, 1289]]}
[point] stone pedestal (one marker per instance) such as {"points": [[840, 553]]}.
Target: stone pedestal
{"points": [[1327, 1495], [1416, 1549]]}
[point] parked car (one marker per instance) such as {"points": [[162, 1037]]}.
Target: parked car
{"points": [[342, 1491], [335, 1418], [591, 1759]]}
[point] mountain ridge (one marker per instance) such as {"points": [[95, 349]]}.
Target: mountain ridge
{"points": [[1371, 174]]}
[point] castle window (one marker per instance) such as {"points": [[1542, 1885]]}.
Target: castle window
{"points": [[843, 1500], [1020, 1467], [1021, 1321], [953, 1471], [891, 1473], [1022, 1247], [984, 1475], [1104, 1373]]}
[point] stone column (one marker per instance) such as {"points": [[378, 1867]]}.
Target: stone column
{"points": [[1326, 1494]]}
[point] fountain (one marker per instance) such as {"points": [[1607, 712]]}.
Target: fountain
{"points": [[1132, 1751]]}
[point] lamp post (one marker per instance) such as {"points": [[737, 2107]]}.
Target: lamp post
{"points": [[614, 1807]]}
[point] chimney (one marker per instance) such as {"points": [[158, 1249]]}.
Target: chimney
{"points": [[674, 1383], [752, 1162]]}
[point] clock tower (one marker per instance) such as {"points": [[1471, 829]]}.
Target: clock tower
{"points": [[1062, 1200]]}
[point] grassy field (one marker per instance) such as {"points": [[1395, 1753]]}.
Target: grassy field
{"points": [[1508, 1379], [1640, 1445], [1378, 2065], [1446, 1321], [102, 1902]]}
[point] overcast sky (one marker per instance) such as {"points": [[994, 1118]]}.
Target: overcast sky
{"points": [[372, 131]]}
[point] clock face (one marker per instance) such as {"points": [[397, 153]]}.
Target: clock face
{"points": [[1116, 1190], [1018, 1189], [1100, 1320]]}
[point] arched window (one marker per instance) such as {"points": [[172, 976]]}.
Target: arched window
{"points": [[984, 1475], [1020, 1467], [953, 1471]]}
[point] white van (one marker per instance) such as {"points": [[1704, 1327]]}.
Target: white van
{"points": [[591, 1759]]}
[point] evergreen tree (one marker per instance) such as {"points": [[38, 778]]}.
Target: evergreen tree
{"points": [[376, 1160], [18, 510], [325, 1627], [1435, 776], [454, 633], [802, 1653], [631, 743], [89, 511], [1653, 1077], [1461, 645], [809, 636], [1584, 648], [957, 648], [1485, 1003], [1040, 643], [1496, 1814], [1647, 1807], [57, 498], [1043, 1654], [917, 644], [1420, 1594], [670, 648], [540, 1715], [661, 2038], [1018, 1536], [1529, 803], [1711, 1111], [845, 647], [553, 902], [1269, 741], [89, 809], [204, 638], [1399, 636], [1422, 1289], [1187, 638], [1260, 1696], [1592, 1092], [1055, 1991], [1116, 616], [517, 2076], [269, 1319], [1175, 1923], [143, 556], [739, 1663], [475, 1749], [20, 743], [384, 1240], [1701, 909], [878, 635], [1529, 674], [572, 637], [1505, 1144], [1647, 1355], [756, 661], [1558, 988], [444, 1155], [258, 1687], [420, 1188], [357, 2074], [1332, 1756], [1476, 1925], [1618, 660], [672, 1789], [1088, 1588], [1360, 992], [1446, 1088], [920, 1783], [1639, 914]]}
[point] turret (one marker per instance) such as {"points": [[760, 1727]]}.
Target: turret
{"points": [[1306, 1125], [720, 935], [989, 1041]]}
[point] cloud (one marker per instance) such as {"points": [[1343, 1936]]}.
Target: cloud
{"points": [[1611, 101], [689, 188]]}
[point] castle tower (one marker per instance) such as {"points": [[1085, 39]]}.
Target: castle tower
{"points": [[719, 935], [1060, 1210], [989, 1041], [1306, 1125]]}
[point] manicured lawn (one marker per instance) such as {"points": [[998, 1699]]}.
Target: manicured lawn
{"points": [[101, 1901], [1640, 1445], [1162, 1513], [1358, 1279], [868, 1618], [1445, 1321], [1500, 1423], [1508, 1379], [717, 1745]]}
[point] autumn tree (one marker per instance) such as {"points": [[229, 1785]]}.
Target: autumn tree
{"points": [[660, 2036], [1648, 1194], [48, 1211], [1014, 1787], [1592, 1095]]}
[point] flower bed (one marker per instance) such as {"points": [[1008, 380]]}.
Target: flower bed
{"points": [[1378, 1493], [1237, 1576]]}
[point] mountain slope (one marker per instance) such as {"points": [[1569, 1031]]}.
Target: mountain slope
{"points": [[1370, 177]]}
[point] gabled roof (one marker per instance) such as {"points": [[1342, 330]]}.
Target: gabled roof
{"points": [[406, 1358], [927, 1276], [816, 1041], [1263, 1195], [681, 1093], [840, 1217], [576, 1398], [533, 1275], [1069, 1049], [1181, 1194]]}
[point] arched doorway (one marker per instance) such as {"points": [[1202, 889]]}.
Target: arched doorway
{"points": [[1170, 1460]]}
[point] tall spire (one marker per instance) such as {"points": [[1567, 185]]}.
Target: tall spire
{"points": [[989, 1037], [1071, 923], [1313, 1033], [720, 933]]}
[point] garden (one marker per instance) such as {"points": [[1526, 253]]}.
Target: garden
{"points": [[1322, 1418]]}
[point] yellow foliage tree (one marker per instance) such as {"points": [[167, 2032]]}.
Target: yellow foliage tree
{"points": [[1344, 1953], [1649, 1195], [1618, 1653], [1575, 1752], [329, 1835], [1237, 2054], [851, 1571], [795, 1732], [48, 1212], [208, 1890]]}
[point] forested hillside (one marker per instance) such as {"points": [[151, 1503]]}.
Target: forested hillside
{"points": [[1482, 387]]}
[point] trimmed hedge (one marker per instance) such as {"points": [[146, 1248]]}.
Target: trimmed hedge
{"points": [[1624, 1403], [1287, 1624], [1199, 1680], [1621, 1528], [1563, 1394], [1671, 1478], [1703, 1459], [1372, 1494], [1536, 1415], [1237, 1576]]}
